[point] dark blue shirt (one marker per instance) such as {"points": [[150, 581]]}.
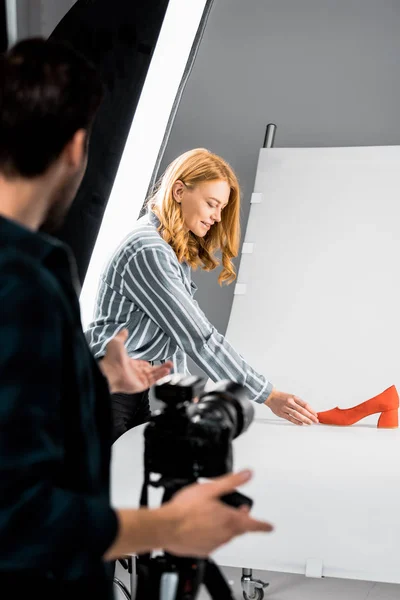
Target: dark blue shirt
{"points": [[55, 420]]}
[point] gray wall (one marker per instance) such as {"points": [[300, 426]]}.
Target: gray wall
{"points": [[40, 17], [327, 72]]}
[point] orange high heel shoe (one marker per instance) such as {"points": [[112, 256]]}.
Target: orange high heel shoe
{"points": [[386, 403]]}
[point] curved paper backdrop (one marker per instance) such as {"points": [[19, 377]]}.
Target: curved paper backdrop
{"points": [[119, 37]]}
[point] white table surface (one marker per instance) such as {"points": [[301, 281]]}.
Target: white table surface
{"points": [[332, 493]]}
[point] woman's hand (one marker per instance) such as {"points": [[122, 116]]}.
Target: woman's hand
{"points": [[291, 408], [126, 375]]}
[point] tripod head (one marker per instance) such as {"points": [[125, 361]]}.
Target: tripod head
{"points": [[183, 442]]}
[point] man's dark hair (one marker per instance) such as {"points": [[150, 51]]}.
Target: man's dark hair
{"points": [[48, 92]]}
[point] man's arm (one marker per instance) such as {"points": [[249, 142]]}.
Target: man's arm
{"points": [[194, 523], [40, 518], [41, 521]]}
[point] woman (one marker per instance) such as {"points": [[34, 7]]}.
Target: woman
{"points": [[147, 286]]}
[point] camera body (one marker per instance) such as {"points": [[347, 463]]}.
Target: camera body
{"points": [[192, 436]]}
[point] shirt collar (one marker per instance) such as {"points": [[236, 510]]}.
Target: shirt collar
{"points": [[153, 219], [38, 245], [50, 252]]}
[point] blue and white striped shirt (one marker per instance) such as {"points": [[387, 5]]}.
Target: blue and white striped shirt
{"points": [[145, 289]]}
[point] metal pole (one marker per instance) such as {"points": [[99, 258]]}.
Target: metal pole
{"points": [[12, 21], [269, 136], [247, 572]]}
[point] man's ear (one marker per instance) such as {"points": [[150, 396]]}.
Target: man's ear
{"points": [[75, 150]]}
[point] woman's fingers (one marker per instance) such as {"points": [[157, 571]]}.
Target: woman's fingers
{"points": [[306, 407], [298, 410], [301, 414], [296, 421]]}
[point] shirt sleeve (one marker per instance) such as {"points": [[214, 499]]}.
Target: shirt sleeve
{"points": [[41, 519], [155, 284], [179, 361]]}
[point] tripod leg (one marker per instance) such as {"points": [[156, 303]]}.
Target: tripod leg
{"points": [[156, 580], [190, 573], [142, 581], [148, 574], [216, 584], [132, 576]]}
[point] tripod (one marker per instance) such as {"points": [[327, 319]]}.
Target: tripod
{"points": [[170, 577], [183, 442]]}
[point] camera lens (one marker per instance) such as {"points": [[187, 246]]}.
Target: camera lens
{"points": [[237, 396], [232, 399]]}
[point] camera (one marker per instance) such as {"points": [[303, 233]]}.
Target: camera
{"points": [[189, 440]]}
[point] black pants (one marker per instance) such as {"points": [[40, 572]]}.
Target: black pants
{"points": [[129, 410]]}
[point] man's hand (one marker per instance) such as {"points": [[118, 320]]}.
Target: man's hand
{"points": [[201, 522], [291, 408], [126, 375]]}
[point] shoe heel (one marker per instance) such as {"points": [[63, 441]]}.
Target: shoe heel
{"points": [[389, 419]]}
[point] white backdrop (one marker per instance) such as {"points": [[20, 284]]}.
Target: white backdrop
{"points": [[322, 303]]}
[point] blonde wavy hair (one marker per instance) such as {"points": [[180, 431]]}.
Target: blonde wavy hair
{"points": [[192, 168]]}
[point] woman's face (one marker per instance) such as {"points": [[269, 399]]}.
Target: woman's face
{"points": [[202, 205]]}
